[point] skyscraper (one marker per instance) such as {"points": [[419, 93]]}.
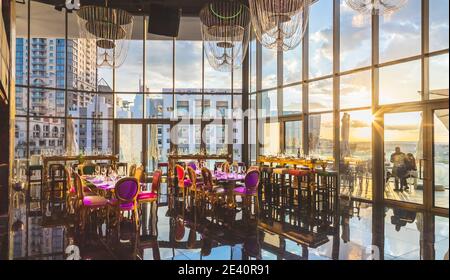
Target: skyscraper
{"points": [[48, 71]]}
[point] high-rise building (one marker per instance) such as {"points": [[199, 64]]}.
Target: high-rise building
{"points": [[49, 69]]}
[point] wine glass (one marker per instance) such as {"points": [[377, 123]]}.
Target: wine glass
{"points": [[243, 169], [97, 170], [103, 171]]}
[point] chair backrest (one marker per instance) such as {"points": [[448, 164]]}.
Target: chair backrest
{"points": [[156, 181], [139, 174], [179, 172], [192, 165], [78, 186], [253, 167], [126, 189], [218, 164], [252, 180], [132, 170], [192, 175], [207, 178], [226, 167], [87, 168], [68, 172]]}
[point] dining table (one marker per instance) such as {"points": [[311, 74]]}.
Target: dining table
{"points": [[103, 185], [227, 180]]}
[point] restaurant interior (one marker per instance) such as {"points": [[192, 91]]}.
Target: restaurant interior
{"points": [[224, 130]]}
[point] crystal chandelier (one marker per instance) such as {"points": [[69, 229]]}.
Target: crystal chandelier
{"points": [[376, 7], [280, 24], [111, 30], [225, 27]]}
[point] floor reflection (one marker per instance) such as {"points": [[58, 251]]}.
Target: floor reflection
{"points": [[175, 231]]}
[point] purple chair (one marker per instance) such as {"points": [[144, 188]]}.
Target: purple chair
{"points": [[126, 191], [249, 190], [192, 165]]}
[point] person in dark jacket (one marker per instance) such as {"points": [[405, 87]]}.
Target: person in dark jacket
{"points": [[410, 164], [399, 169]]}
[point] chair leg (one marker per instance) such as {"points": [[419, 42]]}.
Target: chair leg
{"points": [[118, 223], [256, 206], [136, 218]]}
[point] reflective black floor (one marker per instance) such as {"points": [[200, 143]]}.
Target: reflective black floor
{"points": [[175, 231]]}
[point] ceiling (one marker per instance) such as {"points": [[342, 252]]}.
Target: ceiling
{"points": [[48, 22], [189, 8]]}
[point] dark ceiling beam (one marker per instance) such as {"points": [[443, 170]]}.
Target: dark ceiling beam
{"points": [[142, 7]]}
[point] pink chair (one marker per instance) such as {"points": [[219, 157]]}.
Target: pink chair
{"points": [[152, 195], [87, 202]]}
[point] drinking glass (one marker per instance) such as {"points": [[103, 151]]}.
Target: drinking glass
{"points": [[243, 169]]}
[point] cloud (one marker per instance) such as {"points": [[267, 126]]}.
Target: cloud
{"points": [[359, 124], [406, 127]]}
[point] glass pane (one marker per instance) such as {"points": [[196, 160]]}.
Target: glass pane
{"points": [[400, 33], [90, 105], [47, 136], [321, 39], [356, 90], [21, 61], [269, 68], [271, 145], [159, 65], [441, 153], [82, 68], [188, 138], [130, 143], [94, 136], [293, 138], [158, 145], [403, 157], [45, 102], [356, 153], [401, 83], [21, 44], [47, 46], [269, 101], [356, 39], [21, 101], [20, 143], [292, 100], [130, 74], [252, 51], [439, 77], [292, 66], [188, 66], [188, 106], [238, 140], [216, 81], [237, 80], [252, 140], [216, 106], [216, 140], [321, 96], [158, 106], [438, 24], [321, 136], [129, 106]]}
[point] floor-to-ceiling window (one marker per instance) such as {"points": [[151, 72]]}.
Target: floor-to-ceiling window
{"points": [[395, 67], [163, 81]]}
